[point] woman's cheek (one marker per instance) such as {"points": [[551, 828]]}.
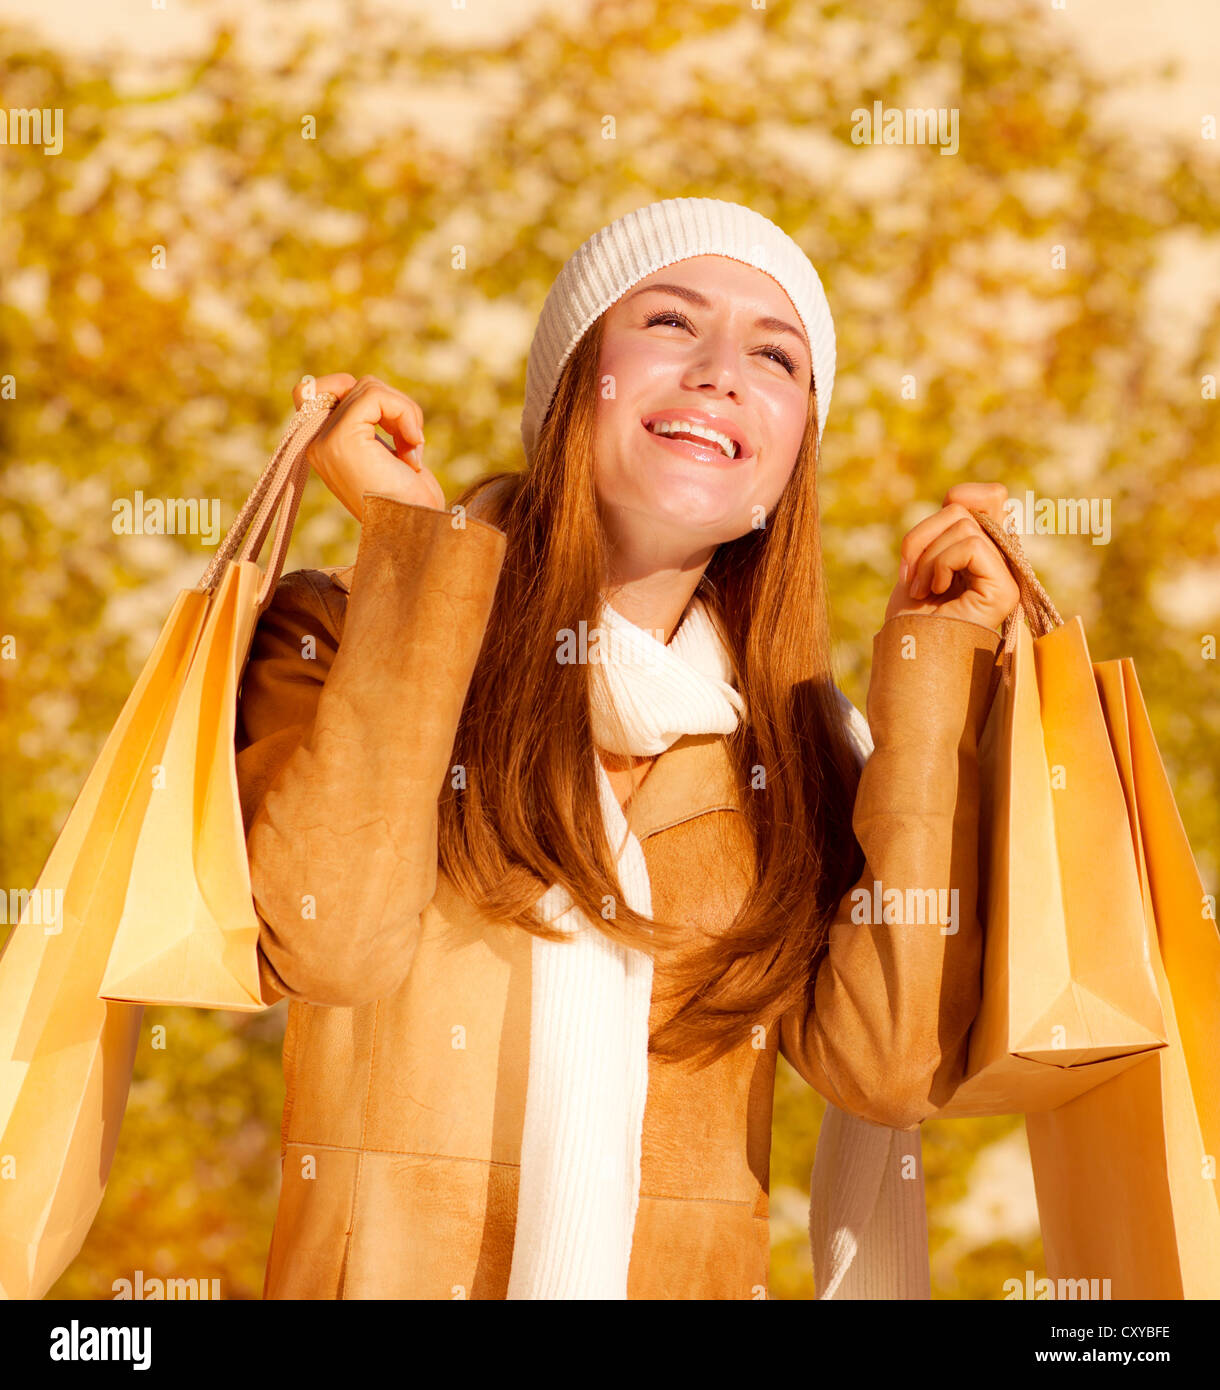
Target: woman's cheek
{"points": [[776, 482]]}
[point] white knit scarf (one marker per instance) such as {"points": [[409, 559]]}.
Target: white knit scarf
{"points": [[588, 1054]]}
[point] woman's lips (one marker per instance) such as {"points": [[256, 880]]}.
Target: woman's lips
{"points": [[703, 452]]}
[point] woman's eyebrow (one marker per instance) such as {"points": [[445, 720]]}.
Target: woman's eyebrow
{"points": [[700, 302]]}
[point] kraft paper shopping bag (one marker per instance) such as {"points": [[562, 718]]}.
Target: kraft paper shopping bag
{"points": [[191, 851], [1069, 998], [65, 1054], [188, 934], [166, 772], [1126, 1174]]}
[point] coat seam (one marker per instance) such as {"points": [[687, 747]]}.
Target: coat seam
{"points": [[288, 1058], [360, 1152], [502, 1163], [682, 819]]}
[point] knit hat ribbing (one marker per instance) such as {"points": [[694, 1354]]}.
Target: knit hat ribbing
{"points": [[623, 253]]}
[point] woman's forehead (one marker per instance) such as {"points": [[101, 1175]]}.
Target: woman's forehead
{"points": [[718, 275], [708, 281]]}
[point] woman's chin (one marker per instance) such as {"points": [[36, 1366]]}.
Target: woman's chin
{"points": [[701, 510], [710, 519]]}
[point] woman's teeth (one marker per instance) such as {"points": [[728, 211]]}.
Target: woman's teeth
{"points": [[688, 427]]}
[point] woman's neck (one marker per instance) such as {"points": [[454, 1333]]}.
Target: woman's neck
{"points": [[655, 602]]}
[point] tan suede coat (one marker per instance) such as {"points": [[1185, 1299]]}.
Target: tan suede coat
{"points": [[407, 1045]]}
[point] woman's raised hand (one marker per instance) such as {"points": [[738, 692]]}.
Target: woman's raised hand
{"points": [[350, 458], [951, 568]]}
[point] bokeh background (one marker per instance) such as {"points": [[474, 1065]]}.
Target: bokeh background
{"points": [[391, 189]]}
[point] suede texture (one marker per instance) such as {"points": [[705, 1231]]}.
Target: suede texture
{"points": [[406, 1050]]}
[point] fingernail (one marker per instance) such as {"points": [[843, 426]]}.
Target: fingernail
{"points": [[903, 570]]}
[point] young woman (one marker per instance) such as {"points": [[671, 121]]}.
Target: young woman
{"points": [[555, 815]]}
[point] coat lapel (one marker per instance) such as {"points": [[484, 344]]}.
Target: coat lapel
{"points": [[693, 776]]}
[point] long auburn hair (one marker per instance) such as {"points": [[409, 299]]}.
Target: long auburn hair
{"points": [[527, 812]]}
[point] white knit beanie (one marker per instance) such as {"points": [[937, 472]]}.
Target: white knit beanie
{"points": [[606, 266]]}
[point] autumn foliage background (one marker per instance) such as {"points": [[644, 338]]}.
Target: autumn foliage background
{"points": [[310, 220]]}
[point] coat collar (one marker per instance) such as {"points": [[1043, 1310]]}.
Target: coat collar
{"points": [[693, 776]]}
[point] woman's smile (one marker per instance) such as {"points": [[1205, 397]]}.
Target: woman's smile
{"points": [[701, 450]]}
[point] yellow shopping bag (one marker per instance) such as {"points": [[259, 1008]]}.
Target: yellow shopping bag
{"points": [[1126, 1175], [188, 933], [65, 1054], [1069, 996], [163, 785]]}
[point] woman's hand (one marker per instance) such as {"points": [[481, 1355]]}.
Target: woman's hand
{"points": [[951, 568], [350, 458]]}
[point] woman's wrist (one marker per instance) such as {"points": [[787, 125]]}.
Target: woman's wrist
{"points": [[998, 628]]}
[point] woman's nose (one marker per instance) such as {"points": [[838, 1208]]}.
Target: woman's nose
{"points": [[715, 362]]}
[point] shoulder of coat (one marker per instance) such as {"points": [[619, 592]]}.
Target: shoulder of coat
{"points": [[340, 576], [318, 593]]}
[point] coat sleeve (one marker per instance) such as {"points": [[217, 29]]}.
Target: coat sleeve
{"points": [[885, 1037], [346, 719]]}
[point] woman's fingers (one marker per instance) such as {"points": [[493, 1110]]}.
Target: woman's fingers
{"points": [[979, 497], [951, 567], [350, 456], [921, 579], [921, 535], [338, 383], [959, 550], [368, 403], [371, 403], [960, 501]]}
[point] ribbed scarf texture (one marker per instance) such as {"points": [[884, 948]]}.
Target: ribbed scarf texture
{"points": [[587, 1082]]}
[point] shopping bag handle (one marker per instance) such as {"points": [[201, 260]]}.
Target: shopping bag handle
{"points": [[280, 485], [1035, 603]]}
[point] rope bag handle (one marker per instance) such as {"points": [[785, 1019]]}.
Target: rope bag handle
{"points": [[1034, 603], [280, 486]]}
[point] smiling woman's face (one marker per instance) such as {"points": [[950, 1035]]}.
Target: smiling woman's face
{"points": [[686, 345]]}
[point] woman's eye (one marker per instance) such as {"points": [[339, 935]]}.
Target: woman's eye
{"points": [[665, 316], [681, 321], [782, 357]]}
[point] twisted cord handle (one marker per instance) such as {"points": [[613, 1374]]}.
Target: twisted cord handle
{"points": [[280, 485], [1034, 602]]}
